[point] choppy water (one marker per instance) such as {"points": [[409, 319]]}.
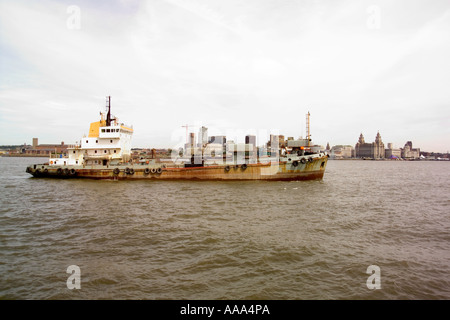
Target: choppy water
{"points": [[229, 240]]}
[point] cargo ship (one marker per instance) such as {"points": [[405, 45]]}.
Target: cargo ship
{"points": [[105, 153]]}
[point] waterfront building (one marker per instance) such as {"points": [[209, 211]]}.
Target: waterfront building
{"points": [[251, 154], [203, 136], [374, 150], [392, 153], [408, 152], [189, 146], [44, 149], [218, 139], [342, 152], [282, 141], [250, 139], [273, 144]]}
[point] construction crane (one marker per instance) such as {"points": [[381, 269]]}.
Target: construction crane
{"points": [[187, 129]]}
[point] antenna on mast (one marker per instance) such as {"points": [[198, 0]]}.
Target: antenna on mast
{"points": [[108, 111], [308, 134]]}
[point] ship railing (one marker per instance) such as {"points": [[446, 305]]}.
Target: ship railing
{"points": [[98, 156], [74, 146]]}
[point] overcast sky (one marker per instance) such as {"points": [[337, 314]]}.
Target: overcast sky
{"points": [[236, 67]]}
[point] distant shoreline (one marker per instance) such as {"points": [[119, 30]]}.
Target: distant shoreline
{"points": [[385, 159], [353, 159], [25, 155]]}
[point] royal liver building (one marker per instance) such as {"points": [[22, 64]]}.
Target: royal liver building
{"points": [[374, 150]]}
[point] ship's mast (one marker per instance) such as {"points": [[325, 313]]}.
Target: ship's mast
{"points": [[308, 134], [108, 108]]}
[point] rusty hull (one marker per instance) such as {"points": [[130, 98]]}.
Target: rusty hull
{"points": [[280, 171]]}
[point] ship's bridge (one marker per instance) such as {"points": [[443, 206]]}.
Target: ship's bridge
{"points": [[114, 131], [109, 132]]}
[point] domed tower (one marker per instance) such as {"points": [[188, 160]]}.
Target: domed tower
{"points": [[378, 147], [361, 139], [358, 146]]}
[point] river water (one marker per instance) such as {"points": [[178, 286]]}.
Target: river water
{"points": [[229, 240]]}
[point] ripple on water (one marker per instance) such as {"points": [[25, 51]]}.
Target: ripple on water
{"points": [[229, 240]]}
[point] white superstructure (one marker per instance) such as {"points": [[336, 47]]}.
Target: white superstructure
{"points": [[108, 142]]}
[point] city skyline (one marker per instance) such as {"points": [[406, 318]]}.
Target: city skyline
{"points": [[194, 139], [237, 68]]}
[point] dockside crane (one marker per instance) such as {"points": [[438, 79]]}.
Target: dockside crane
{"points": [[187, 129]]}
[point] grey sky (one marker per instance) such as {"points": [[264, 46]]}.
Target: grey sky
{"points": [[236, 67]]}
